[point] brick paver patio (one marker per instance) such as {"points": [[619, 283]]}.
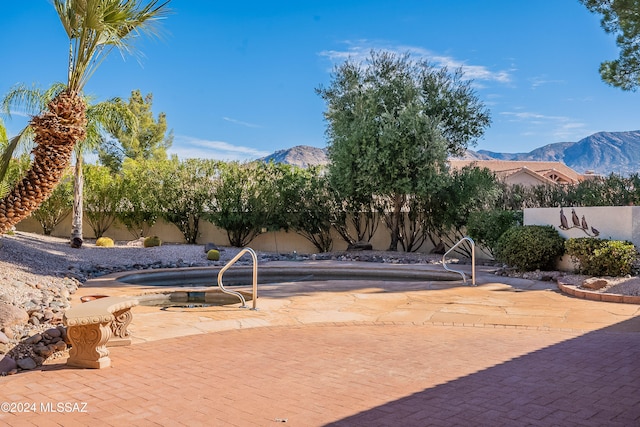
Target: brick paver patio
{"points": [[355, 373]]}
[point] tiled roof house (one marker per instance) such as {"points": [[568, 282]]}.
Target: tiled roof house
{"points": [[525, 172]]}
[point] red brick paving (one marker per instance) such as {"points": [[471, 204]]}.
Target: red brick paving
{"points": [[348, 375]]}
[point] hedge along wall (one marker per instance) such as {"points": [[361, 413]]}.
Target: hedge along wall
{"points": [[604, 222], [280, 241]]}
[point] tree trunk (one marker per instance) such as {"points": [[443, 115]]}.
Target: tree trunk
{"points": [[56, 133], [398, 203], [76, 220]]}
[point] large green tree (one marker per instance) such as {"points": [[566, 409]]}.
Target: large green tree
{"points": [[392, 122], [94, 28], [148, 140], [622, 18]]}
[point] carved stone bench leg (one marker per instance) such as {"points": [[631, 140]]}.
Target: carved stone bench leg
{"points": [[89, 345], [119, 333]]}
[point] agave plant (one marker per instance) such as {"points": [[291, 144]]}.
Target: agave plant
{"points": [[95, 28]]}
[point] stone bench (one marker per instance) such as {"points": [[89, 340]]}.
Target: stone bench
{"points": [[94, 325]]}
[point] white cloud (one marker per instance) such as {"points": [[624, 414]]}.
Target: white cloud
{"points": [[558, 128], [536, 82], [189, 147], [359, 51], [241, 123]]}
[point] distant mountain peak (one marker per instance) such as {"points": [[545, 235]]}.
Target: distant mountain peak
{"points": [[603, 153], [300, 155]]}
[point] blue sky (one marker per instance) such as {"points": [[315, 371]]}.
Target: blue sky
{"points": [[237, 79]]}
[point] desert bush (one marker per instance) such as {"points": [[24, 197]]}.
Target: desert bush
{"points": [[530, 247], [56, 208], [105, 242], [601, 257], [186, 193], [102, 194], [486, 227], [151, 241]]}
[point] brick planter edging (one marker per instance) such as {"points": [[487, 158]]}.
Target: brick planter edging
{"points": [[597, 296]]}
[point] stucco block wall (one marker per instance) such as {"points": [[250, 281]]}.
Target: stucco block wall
{"points": [[610, 222]]}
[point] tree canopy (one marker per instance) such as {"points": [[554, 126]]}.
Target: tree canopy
{"points": [[622, 18], [392, 122], [148, 140]]}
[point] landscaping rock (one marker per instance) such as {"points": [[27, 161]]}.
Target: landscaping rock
{"points": [[11, 315], [26, 363], [7, 364], [210, 246], [595, 283], [360, 246], [4, 339]]}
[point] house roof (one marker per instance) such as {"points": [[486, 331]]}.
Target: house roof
{"points": [[548, 171]]}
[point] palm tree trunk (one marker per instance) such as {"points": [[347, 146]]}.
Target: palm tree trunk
{"points": [[56, 133], [76, 220]]}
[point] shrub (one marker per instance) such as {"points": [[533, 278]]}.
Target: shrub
{"points": [[486, 227], [213, 255], [530, 247], [152, 241], [105, 242], [601, 257]]}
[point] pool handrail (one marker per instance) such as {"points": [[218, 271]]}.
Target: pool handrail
{"points": [[473, 260], [255, 277]]}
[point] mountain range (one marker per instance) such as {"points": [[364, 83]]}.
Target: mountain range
{"points": [[601, 153]]}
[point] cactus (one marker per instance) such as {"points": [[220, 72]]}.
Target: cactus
{"points": [[105, 242], [213, 255], [152, 241]]}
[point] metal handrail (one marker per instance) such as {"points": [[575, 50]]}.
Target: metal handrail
{"points": [[473, 260], [255, 278]]}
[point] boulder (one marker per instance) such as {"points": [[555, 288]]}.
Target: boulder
{"points": [[7, 364], [594, 283], [11, 315], [27, 363]]}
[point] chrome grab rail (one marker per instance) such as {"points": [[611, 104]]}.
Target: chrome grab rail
{"points": [[255, 277], [473, 260]]}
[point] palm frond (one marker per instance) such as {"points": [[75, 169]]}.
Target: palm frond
{"points": [[31, 100], [95, 27], [8, 152]]}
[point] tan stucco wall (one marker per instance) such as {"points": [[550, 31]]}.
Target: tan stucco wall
{"points": [[280, 241]]}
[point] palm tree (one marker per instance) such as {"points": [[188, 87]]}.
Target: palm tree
{"points": [[94, 28], [108, 114]]}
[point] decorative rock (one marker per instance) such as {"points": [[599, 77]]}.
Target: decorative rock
{"points": [[11, 315], [360, 246], [8, 332], [59, 346], [63, 334], [4, 339], [210, 246], [26, 363], [7, 364], [34, 339], [76, 243], [53, 332], [594, 283]]}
